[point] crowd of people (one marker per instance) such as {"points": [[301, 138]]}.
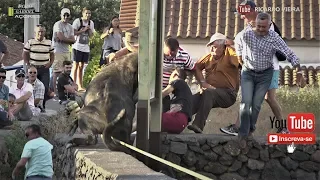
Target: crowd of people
{"points": [[249, 63]]}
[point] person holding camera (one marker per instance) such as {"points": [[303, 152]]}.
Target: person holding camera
{"points": [[112, 36]]}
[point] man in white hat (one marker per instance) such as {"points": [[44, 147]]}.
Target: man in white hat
{"points": [[62, 38], [221, 81]]}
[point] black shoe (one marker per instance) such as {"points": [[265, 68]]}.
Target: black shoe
{"points": [[195, 128], [231, 130]]}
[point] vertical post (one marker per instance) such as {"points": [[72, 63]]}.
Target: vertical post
{"points": [[157, 56], [30, 23], [143, 109]]}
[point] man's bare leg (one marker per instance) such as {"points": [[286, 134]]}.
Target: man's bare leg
{"points": [[75, 71], [273, 103], [80, 75]]}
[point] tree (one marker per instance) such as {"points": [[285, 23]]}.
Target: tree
{"points": [[102, 12]]}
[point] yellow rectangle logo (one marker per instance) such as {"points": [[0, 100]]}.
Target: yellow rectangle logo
{"points": [[10, 11]]}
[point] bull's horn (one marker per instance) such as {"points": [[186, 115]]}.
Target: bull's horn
{"points": [[119, 116]]}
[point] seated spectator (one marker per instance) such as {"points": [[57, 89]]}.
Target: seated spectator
{"points": [[24, 108], [221, 83], [177, 118], [4, 97], [38, 87], [67, 88]]}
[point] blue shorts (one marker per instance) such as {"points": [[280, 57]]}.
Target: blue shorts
{"points": [[275, 80]]}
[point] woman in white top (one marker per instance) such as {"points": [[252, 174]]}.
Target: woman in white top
{"points": [[112, 36]]}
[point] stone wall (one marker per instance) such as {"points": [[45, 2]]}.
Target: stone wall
{"points": [[95, 162], [219, 157]]}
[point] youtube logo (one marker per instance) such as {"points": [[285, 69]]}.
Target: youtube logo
{"points": [[273, 138]]}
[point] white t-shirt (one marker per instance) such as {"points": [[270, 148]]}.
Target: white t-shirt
{"points": [[79, 45]]}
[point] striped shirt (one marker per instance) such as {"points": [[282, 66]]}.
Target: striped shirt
{"points": [[39, 51], [182, 60]]}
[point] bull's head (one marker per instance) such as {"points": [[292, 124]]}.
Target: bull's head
{"points": [[90, 120]]}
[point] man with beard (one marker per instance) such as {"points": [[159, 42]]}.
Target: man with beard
{"points": [[66, 87]]}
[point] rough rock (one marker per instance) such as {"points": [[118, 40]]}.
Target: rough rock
{"points": [[215, 168], [290, 164], [211, 155], [303, 175], [189, 158], [213, 142], [255, 164], [178, 147], [242, 158], [196, 149], [205, 147], [244, 171], [218, 150], [232, 148], [273, 170], [316, 156], [202, 161], [309, 166], [277, 154], [253, 153], [226, 159], [254, 175], [300, 156], [264, 155], [231, 176], [235, 166]]}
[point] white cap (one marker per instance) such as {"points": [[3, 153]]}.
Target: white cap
{"points": [[65, 10], [215, 37]]}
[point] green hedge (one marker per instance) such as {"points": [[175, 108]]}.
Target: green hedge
{"points": [[93, 67]]}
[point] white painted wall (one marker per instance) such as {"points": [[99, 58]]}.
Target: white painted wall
{"points": [[307, 51]]}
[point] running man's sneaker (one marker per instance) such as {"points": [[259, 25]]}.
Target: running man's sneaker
{"points": [[231, 130]]}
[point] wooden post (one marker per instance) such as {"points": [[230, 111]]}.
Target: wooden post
{"points": [[143, 109]]}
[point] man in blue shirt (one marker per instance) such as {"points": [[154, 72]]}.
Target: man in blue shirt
{"points": [[36, 156]]}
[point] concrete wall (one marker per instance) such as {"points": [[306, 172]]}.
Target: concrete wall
{"points": [[308, 51]]}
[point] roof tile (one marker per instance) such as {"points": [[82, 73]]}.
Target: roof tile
{"points": [[202, 18], [15, 49]]}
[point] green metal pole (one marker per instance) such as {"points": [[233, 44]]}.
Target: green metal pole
{"points": [[157, 34], [143, 109]]}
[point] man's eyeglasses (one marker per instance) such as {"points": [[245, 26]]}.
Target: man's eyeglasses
{"points": [[66, 15], [3, 77], [21, 76], [31, 72]]}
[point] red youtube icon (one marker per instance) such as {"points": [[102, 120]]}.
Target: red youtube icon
{"points": [[301, 122]]}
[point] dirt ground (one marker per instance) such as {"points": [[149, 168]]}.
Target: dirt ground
{"points": [[220, 117]]}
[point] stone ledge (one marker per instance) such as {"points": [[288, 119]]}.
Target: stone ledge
{"points": [[220, 157], [96, 162]]}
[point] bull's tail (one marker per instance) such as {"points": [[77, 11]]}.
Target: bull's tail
{"points": [[107, 132]]}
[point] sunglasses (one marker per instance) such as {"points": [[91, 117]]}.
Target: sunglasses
{"points": [[21, 76], [3, 77], [66, 15], [32, 72]]}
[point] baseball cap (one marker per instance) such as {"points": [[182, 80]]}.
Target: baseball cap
{"points": [[215, 37], [247, 2], [20, 72], [65, 10]]}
